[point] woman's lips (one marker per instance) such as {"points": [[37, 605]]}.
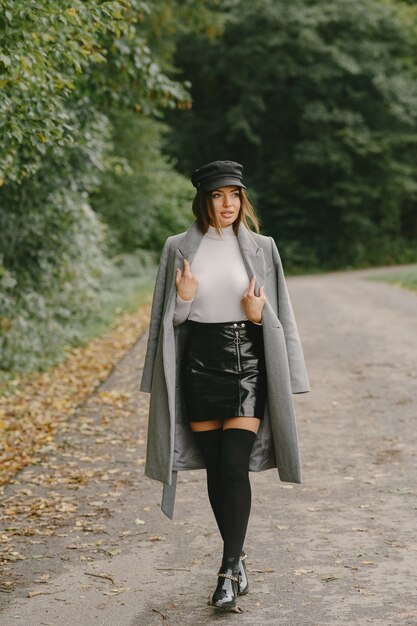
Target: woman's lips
{"points": [[227, 214]]}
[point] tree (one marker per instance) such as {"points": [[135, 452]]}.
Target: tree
{"points": [[68, 69], [318, 100]]}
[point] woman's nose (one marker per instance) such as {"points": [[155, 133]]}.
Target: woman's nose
{"points": [[227, 201]]}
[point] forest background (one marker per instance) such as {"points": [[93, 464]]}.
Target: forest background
{"points": [[107, 107]]}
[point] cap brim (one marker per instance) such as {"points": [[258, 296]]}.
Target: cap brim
{"points": [[221, 182]]}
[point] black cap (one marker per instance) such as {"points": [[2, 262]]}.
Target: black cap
{"points": [[218, 174]]}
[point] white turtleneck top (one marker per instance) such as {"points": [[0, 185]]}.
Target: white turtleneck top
{"points": [[222, 280]]}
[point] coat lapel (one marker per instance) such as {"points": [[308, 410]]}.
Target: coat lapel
{"points": [[252, 253]]}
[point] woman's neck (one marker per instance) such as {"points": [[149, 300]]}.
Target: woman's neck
{"points": [[226, 233]]}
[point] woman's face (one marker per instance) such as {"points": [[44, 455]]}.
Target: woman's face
{"points": [[226, 204]]}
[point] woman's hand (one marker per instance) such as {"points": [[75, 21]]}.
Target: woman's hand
{"points": [[252, 304], [186, 282]]}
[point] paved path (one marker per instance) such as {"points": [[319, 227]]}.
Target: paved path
{"points": [[340, 549]]}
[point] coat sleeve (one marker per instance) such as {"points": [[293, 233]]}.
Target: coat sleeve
{"points": [[155, 321], [296, 362]]}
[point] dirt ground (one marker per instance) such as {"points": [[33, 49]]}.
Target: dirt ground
{"points": [[339, 549]]}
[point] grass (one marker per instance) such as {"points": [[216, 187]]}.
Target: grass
{"points": [[125, 289], [406, 279]]}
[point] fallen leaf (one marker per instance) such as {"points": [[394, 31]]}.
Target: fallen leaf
{"points": [[42, 579], [41, 404], [156, 538]]}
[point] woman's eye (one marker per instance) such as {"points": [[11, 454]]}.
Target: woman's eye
{"points": [[235, 194]]}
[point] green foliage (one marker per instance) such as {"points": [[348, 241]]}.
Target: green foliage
{"points": [[53, 254], [44, 325], [80, 81], [68, 70], [170, 19], [318, 100], [53, 51], [141, 198]]}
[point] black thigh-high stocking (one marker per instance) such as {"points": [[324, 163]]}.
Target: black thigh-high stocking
{"points": [[236, 491], [210, 444]]}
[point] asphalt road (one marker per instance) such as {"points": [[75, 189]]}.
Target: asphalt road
{"points": [[339, 549]]}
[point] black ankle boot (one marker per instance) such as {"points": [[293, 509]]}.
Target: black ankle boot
{"points": [[227, 587], [243, 586]]}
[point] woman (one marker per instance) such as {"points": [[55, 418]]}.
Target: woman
{"points": [[222, 363]]}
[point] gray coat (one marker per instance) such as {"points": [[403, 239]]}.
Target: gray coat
{"points": [[170, 443]]}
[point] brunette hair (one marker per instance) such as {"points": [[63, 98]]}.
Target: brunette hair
{"points": [[203, 207]]}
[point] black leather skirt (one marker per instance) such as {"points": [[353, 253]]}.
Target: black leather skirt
{"points": [[223, 371]]}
